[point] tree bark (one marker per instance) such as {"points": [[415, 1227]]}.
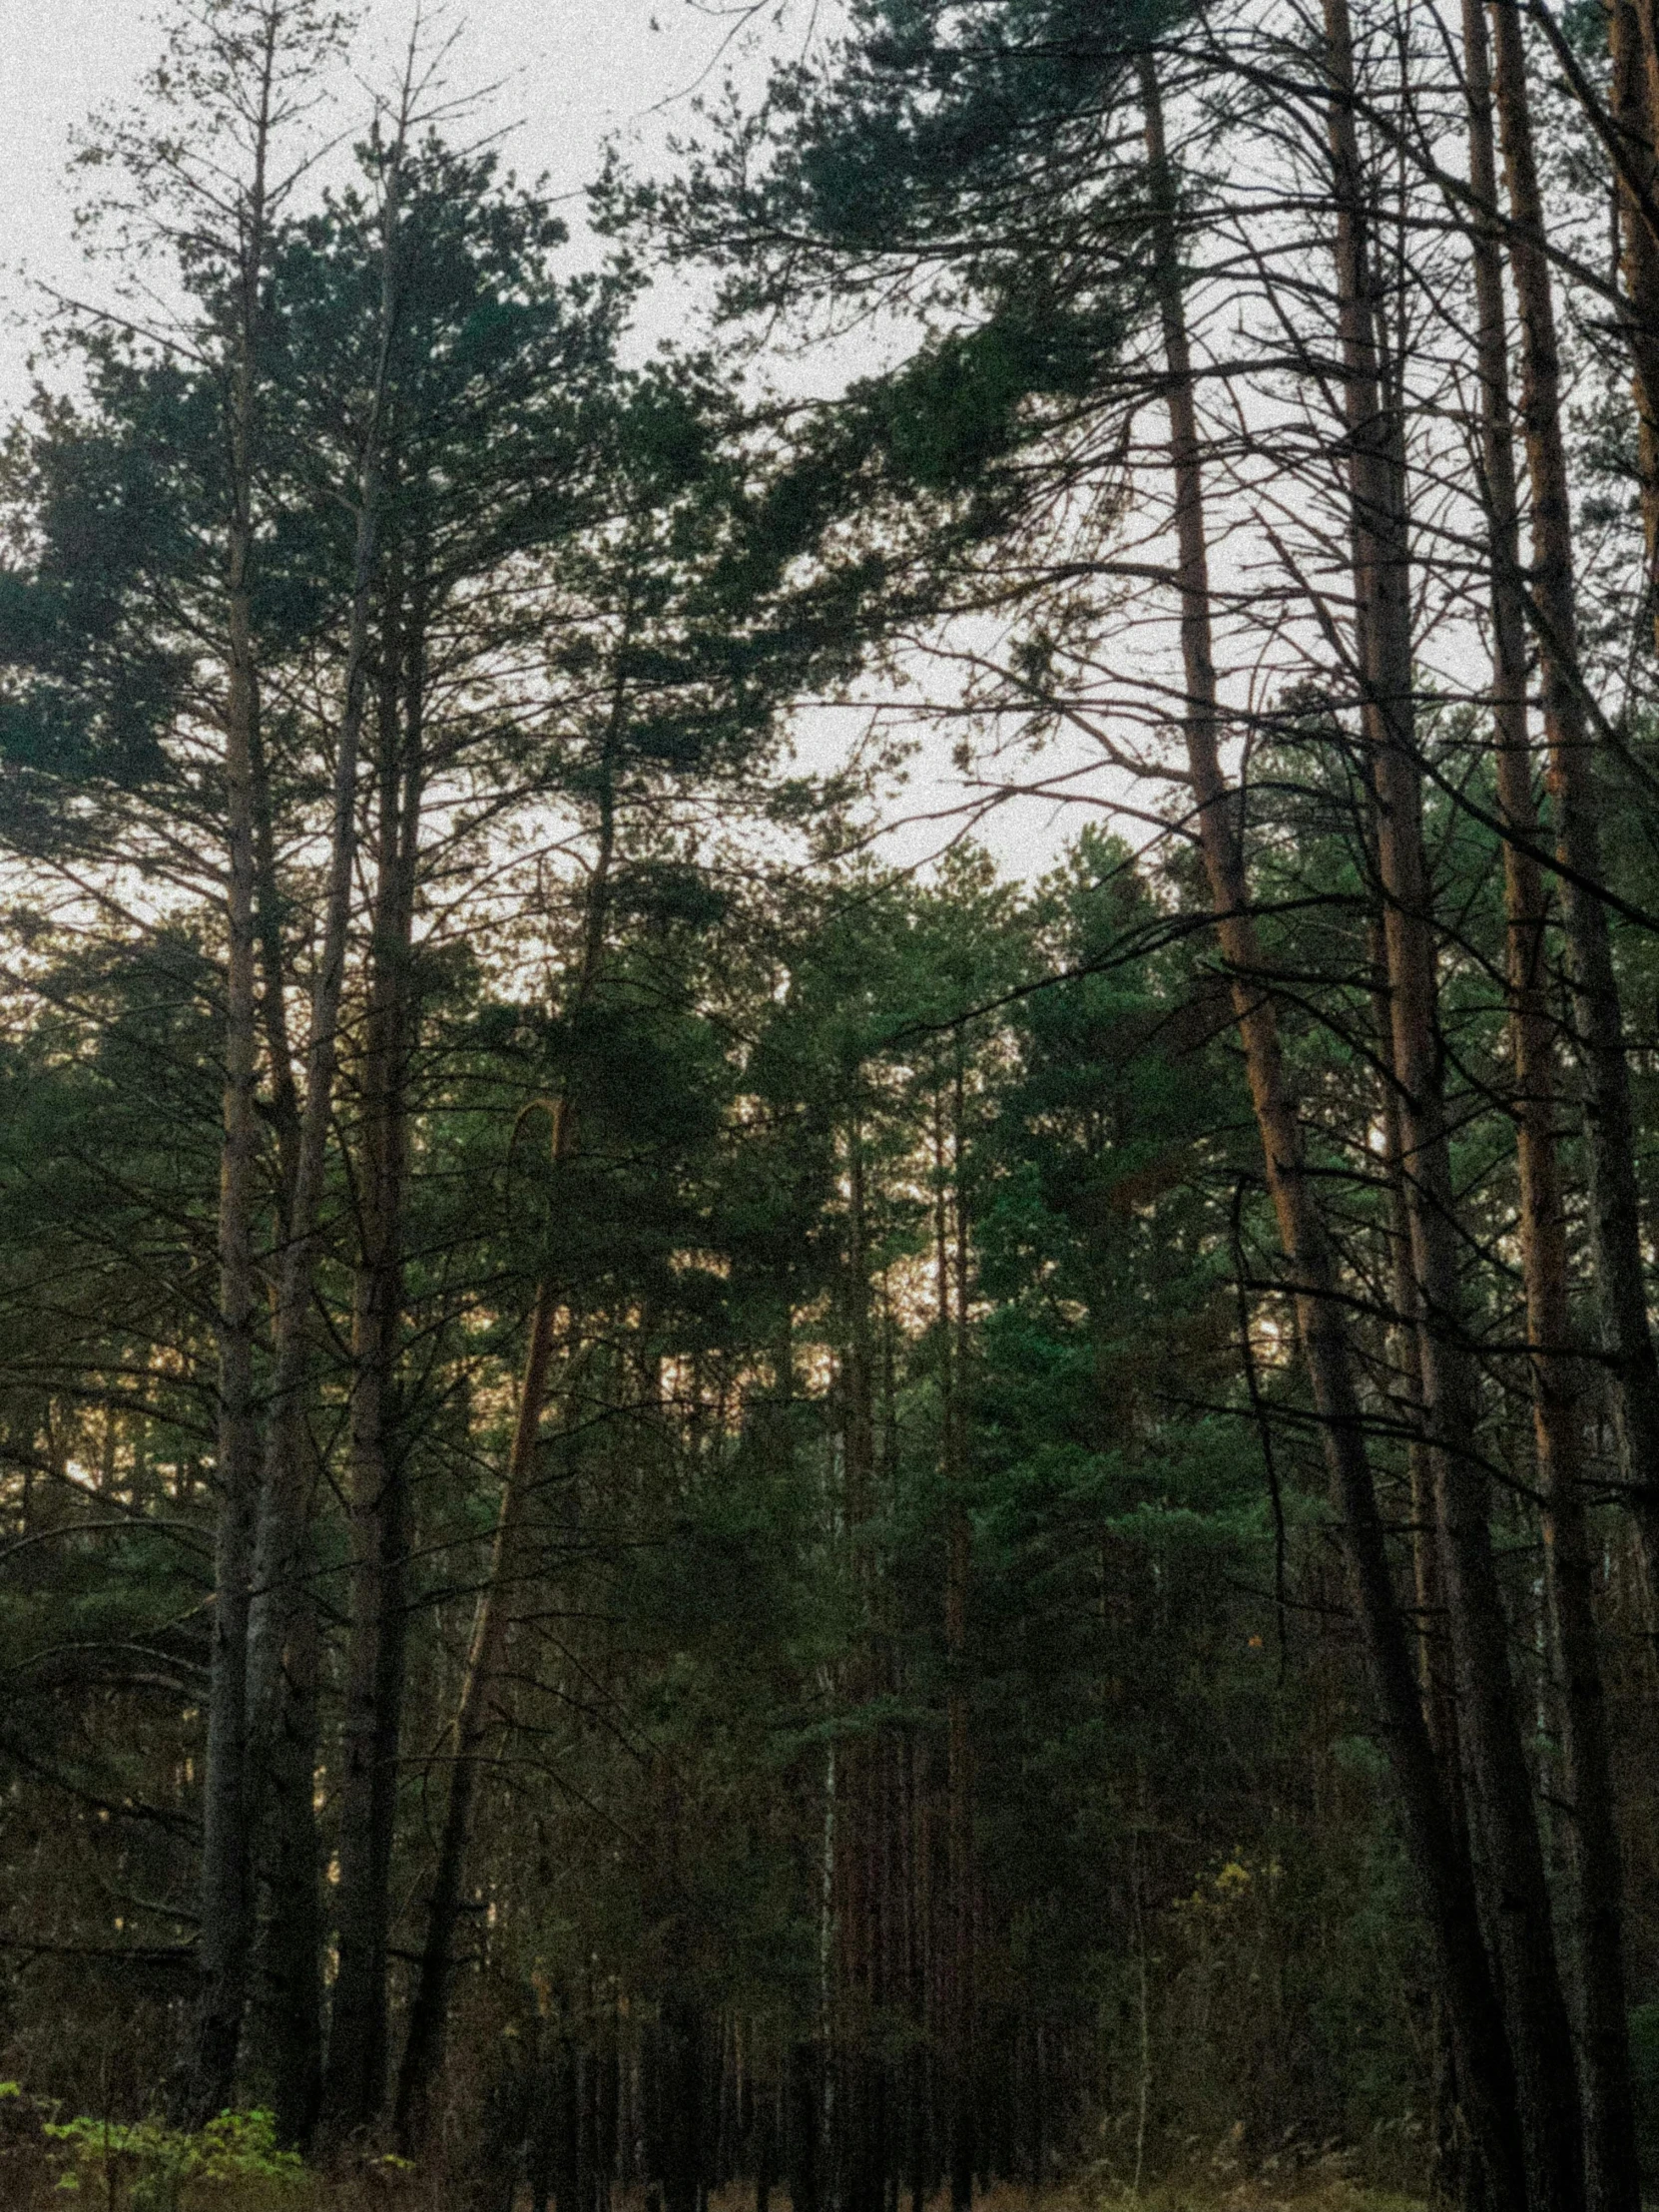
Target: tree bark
{"points": [[1439, 1700], [1560, 1378], [1609, 1129], [282, 1630], [1512, 1862], [225, 1939], [475, 1714], [959, 1745], [354, 2080], [859, 1805], [1630, 113], [1439, 1856], [806, 2099], [226, 1895]]}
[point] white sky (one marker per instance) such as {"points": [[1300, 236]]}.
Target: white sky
{"points": [[571, 73]]}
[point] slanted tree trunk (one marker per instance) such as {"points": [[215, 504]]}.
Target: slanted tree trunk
{"points": [[1512, 1862], [1439, 1856], [476, 1714], [354, 2081], [282, 1628], [1560, 1378], [1609, 1129]]}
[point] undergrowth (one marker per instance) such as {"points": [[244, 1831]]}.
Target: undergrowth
{"points": [[234, 2164]]}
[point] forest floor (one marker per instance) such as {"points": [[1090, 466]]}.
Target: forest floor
{"points": [[1313, 2194], [1309, 2191]]}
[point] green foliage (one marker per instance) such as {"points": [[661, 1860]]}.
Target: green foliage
{"points": [[148, 2166], [961, 403]]}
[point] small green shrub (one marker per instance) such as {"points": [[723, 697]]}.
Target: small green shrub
{"points": [[151, 2167]]}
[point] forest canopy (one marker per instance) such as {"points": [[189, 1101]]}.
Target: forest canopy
{"points": [[703, 1492]]}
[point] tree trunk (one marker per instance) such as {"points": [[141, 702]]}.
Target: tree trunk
{"points": [[1513, 1861], [1609, 1132], [225, 1938], [805, 2097], [268, 929], [226, 1934], [475, 1714], [287, 2011], [1559, 1379], [282, 1630], [1439, 1700], [1439, 1859], [684, 2119], [959, 1747], [475, 1717], [355, 2082], [858, 1795], [1629, 100]]}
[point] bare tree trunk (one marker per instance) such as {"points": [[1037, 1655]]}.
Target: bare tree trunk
{"points": [[475, 1715], [1609, 1130], [1448, 2179], [1559, 1379], [226, 1900], [225, 1939], [273, 1015], [858, 1782], [960, 1748], [1439, 1857], [1629, 99], [282, 1630], [1439, 1700], [354, 2081], [1512, 1862]]}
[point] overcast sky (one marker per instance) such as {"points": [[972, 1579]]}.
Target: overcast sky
{"points": [[570, 74]]}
